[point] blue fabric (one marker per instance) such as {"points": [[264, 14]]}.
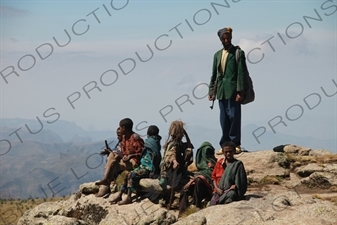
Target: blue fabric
{"points": [[230, 121], [151, 155]]}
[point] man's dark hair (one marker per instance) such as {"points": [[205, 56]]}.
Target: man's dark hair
{"points": [[229, 144], [153, 130], [127, 123]]}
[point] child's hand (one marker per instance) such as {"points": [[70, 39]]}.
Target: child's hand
{"points": [[233, 187], [186, 186], [175, 164], [106, 151], [219, 191]]}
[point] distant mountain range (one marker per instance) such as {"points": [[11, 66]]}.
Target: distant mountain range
{"points": [[60, 131], [56, 160], [268, 140], [60, 157]]}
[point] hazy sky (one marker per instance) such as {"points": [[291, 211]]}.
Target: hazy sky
{"points": [[151, 61]]}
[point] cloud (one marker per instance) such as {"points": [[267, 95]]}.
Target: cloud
{"points": [[13, 39], [8, 11], [186, 82]]}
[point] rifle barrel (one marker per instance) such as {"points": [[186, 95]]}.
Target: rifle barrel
{"points": [[212, 104]]}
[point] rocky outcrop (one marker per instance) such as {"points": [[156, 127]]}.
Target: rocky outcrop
{"points": [[88, 209], [272, 205], [298, 187]]}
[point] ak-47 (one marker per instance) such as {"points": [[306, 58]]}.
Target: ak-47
{"points": [[214, 92], [107, 149], [106, 144]]}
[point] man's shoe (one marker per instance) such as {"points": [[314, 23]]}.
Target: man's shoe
{"points": [[238, 150], [219, 152]]}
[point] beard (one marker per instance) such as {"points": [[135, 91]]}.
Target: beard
{"points": [[226, 45]]}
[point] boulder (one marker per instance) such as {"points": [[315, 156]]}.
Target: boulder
{"points": [[41, 213], [297, 150], [88, 188], [307, 170]]}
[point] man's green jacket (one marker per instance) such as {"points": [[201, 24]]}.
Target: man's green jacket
{"points": [[233, 79]]}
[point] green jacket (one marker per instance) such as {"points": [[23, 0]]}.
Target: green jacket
{"points": [[233, 79]]}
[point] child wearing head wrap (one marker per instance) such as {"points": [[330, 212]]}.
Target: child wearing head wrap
{"points": [[200, 185]]}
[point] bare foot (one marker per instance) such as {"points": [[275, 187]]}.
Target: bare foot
{"points": [[115, 200], [103, 190], [125, 202], [101, 182]]}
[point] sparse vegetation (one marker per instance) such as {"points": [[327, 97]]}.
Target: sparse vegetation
{"points": [[328, 158], [120, 179], [188, 211], [282, 159], [291, 161], [318, 181], [271, 180], [328, 198]]}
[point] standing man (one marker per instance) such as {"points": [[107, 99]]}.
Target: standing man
{"points": [[227, 85]]}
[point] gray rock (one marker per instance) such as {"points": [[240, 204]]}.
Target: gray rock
{"points": [[307, 170], [88, 188], [150, 185], [304, 151], [320, 179], [276, 206], [293, 181], [291, 149], [62, 220], [318, 152], [297, 150]]}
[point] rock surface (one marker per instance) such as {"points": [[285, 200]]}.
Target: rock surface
{"points": [[271, 206], [295, 187]]}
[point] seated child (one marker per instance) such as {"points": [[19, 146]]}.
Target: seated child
{"points": [[200, 185], [177, 154], [131, 149], [149, 164]]}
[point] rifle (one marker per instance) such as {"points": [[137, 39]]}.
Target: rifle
{"points": [[107, 150], [214, 92], [106, 144]]}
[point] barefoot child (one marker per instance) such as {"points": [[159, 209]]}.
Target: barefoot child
{"points": [[177, 154], [131, 148], [149, 163]]}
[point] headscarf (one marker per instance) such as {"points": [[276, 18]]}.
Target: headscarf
{"points": [[225, 30], [152, 145], [205, 160]]}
